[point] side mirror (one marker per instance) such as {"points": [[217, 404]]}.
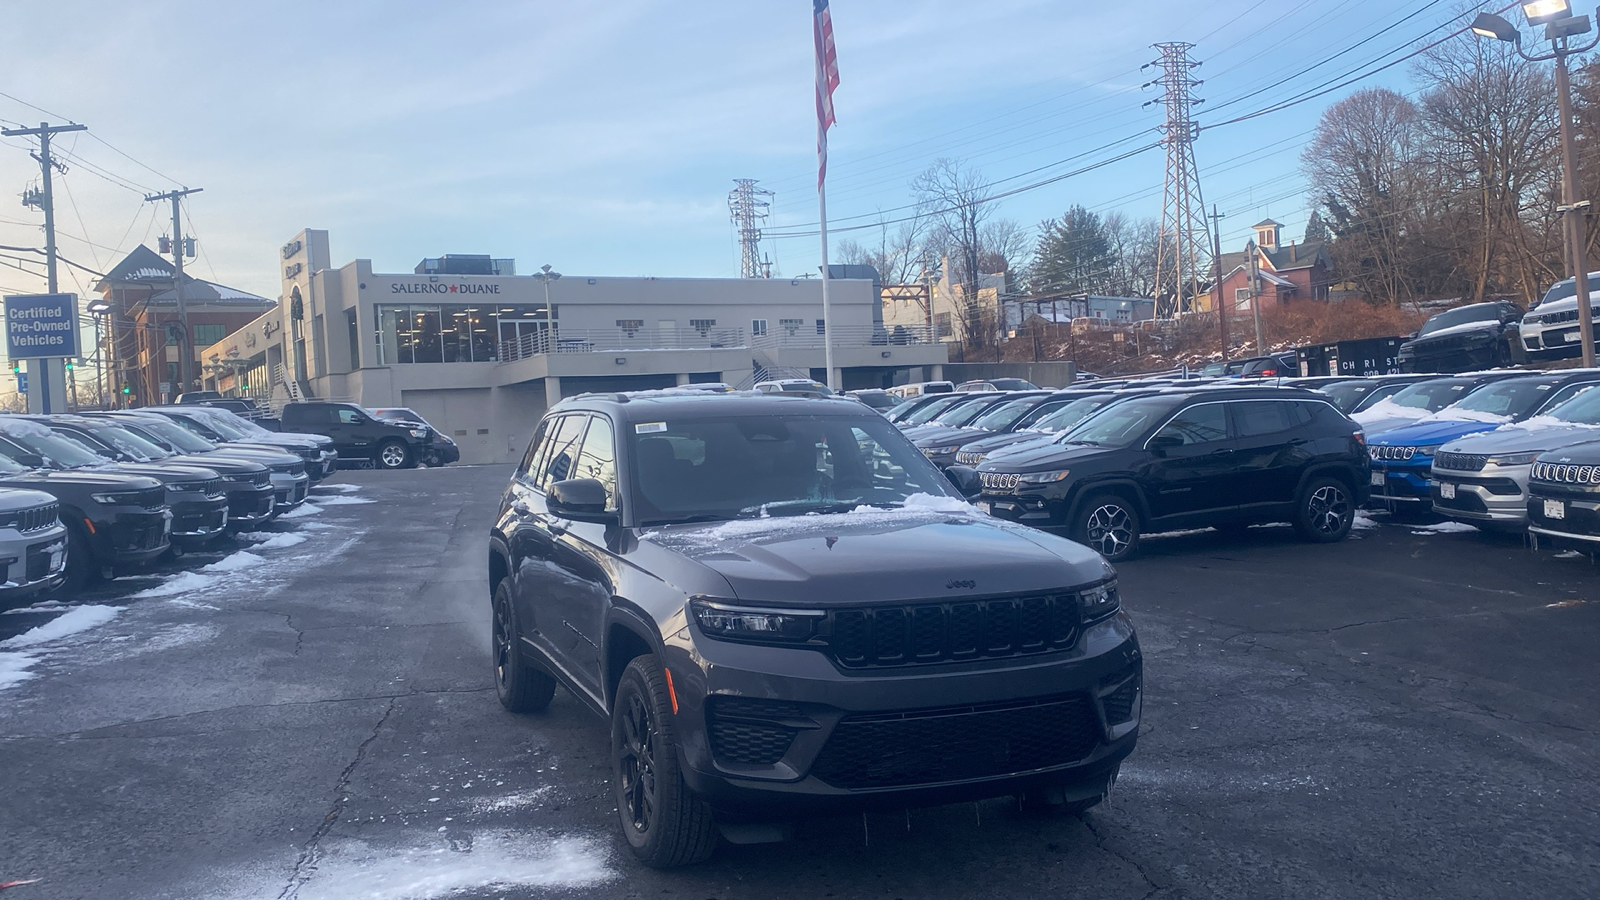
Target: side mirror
{"points": [[966, 480], [31, 460], [581, 500]]}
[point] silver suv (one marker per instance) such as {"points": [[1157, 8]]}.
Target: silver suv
{"points": [[1482, 479], [33, 543]]}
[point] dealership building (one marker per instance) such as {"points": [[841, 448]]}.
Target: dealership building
{"points": [[482, 352]]}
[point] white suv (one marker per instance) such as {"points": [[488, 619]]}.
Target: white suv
{"points": [[1550, 330]]}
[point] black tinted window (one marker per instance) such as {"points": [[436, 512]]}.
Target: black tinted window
{"points": [[535, 447], [1258, 417], [598, 459], [1198, 424]]}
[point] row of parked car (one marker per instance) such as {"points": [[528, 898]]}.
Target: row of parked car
{"points": [[1110, 461], [84, 496]]}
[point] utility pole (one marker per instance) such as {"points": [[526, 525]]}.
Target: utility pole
{"points": [[1216, 254], [41, 384], [1183, 229], [748, 206], [1255, 299], [185, 349]]}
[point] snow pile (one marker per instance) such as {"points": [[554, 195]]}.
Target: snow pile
{"points": [[935, 502], [346, 488], [341, 500], [233, 562], [73, 621], [1545, 423], [280, 541], [1452, 414], [498, 861], [1444, 528], [919, 509], [177, 584], [14, 669], [1388, 409], [301, 511], [1362, 523]]}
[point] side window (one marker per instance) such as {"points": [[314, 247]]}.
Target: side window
{"points": [[1565, 394], [598, 459], [1200, 424], [1303, 413], [558, 464], [348, 416], [1259, 417], [535, 447]]}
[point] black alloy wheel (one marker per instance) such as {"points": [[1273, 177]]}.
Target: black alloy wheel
{"points": [[519, 686], [1109, 525], [1325, 512], [665, 824]]}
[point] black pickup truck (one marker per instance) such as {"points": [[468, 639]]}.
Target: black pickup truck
{"points": [[357, 434]]}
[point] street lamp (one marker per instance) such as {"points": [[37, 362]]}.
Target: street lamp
{"points": [[1560, 26], [98, 308], [546, 275]]}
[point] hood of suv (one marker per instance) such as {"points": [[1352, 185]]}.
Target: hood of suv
{"points": [[941, 436], [1538, 433], [81, 478], [880, 555], [1455, 336], [1427, 434], [1004, 441], [1042, 457]]}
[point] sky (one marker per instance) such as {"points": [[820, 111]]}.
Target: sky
{"points": [[603, 138]]}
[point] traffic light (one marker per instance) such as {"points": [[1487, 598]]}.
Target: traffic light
{"points": [[69, 365], [16, 367], [126, 390]]}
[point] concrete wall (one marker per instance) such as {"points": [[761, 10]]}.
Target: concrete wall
{"points": [[1044, 374]]}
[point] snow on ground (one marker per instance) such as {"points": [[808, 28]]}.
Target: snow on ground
{"points": [[73, 621], [233, 562], [1362, 523], [14, 668], [279, 541], [1444, 528], [301, 511], [347, 488], [342, 500], [451, 864], [181, 583]]}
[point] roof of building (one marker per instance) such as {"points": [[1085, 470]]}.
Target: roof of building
{"points": [[1301, 256], [1265, 223], [201, 292], [141, 266]]}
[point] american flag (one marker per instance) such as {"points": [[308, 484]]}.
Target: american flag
{"points": [[827, 80]]}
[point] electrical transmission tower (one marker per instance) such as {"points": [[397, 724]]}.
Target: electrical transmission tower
{"points": [[748, 205], [1185, 241]]}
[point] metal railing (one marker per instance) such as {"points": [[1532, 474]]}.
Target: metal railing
{"points": [[606, 340], [845, 336]]}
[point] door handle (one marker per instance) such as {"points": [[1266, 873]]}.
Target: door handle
{"points": [[1220, 451], [1298, 441]]}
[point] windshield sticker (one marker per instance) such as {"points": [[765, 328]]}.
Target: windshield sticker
{"points": [[649, 428]]}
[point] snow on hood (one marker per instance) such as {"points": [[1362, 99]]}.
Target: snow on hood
{"points": [[1451, 414], [1427, 433], [1538, 433], [1463, 328], [1387, 409], [917, 509]]}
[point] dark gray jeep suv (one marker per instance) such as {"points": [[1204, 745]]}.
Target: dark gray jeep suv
{"points": [[785, 610]]}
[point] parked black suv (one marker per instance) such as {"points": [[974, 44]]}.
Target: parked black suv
{"points": [[1475, 336], [357, 434], [785, 610], [1226, 457]]}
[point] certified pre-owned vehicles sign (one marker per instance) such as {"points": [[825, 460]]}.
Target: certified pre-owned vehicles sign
{"points": [[41, 326]]}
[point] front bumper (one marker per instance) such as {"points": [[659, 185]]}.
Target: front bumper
{"points": [[32, 561], [1496, 495], [1554, 342], [443, 453], [196, 522], [1456, 358], [133, 535], [1579, 521], [1409, 483], [290, 490], [879, 738], [250, 504]]}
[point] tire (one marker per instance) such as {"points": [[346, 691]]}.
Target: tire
{"points": [[665, 825], [393, 454], [1324, 511], [521, 687], [82, 569], [1108, 524]]}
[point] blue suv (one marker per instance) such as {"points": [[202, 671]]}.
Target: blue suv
{"points": [[1402, 459]]}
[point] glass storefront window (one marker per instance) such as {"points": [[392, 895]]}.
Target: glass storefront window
{"points": [[426, 345], [452, 332]]}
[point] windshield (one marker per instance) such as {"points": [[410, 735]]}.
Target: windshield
{"points": [[218, 424], [1070, 415], [232, 420], [127, 442], [1515, 398], [759, 466], [397, 415], [932, 409], [1001, 417], [809, 387], [57, 450], [1485, 312], [879, 401], [1122, 424], [1584, 409], [164, 432], [1346, 394], [1430, 395], [966, 413]]}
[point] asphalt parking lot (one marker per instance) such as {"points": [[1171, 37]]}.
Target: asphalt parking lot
{"points": [[1410, 713]]}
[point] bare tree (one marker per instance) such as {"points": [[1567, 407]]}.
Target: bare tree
{"points": [[1133, 245], [955, 201]]}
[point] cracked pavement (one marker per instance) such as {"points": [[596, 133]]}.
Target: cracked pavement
{"points": [[1399, 715]]}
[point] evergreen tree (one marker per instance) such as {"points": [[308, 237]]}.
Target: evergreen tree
{"points": [[1074, 255], [1317, 229]]}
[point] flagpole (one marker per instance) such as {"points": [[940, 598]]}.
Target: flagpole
{"points": [[827, 319]]}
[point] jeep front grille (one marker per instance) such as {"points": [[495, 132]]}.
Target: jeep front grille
{"points": [[1461, 462], [36, 519], [1393, 453], [968, 457], [1564, 474], [919, 633], [999, 482]]}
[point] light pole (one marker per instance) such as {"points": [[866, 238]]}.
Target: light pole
{"points": [[98, 308], [1560, 26], [546, 275]]}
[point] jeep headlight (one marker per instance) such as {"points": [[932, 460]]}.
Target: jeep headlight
{"points": [[1044, 477], [748, 623], [1098, 602], [1515, 459]]}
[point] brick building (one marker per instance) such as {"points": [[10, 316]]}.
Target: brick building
{"points": [[142, 323], [1295, 272]]}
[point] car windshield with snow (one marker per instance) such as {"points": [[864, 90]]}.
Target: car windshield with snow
{"points": [[1478, 335], [787, 611]]}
